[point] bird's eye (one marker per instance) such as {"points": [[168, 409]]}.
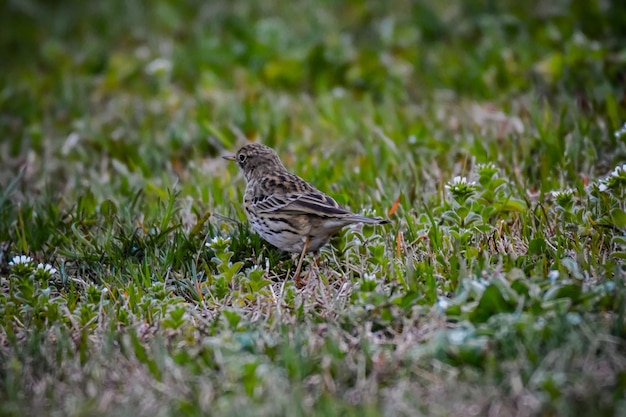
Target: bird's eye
{"points": [[242, 158]]}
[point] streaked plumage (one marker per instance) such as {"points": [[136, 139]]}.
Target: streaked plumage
{"points": [[286, 210]]}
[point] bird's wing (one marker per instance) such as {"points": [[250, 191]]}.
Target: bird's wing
{"points": [[310, 202]]}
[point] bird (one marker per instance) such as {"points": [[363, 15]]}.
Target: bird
{"points": [[284, 209]]}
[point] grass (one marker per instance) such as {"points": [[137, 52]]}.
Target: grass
{"points": [[500, 292]]}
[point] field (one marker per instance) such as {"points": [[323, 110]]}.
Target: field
{"points": [[491, 134]]}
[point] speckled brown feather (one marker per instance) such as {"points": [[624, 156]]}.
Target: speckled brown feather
{"points": [[286, 210]]}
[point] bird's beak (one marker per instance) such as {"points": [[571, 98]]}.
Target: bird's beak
{"points": [[230, 157]]}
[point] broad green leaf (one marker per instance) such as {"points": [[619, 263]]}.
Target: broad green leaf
{"points": [[619, 217], [492, 302]]}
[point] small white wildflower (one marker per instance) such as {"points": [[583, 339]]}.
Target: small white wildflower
{"points": [[368, 212], [457, 336], [615, 181], [218, 241], [20, 260], [461, 188], [621, 131], [618, 170], [456, 181], [369, 277], [486, 171], [44, 271], [46, 268], [459, 181], [443, 303], [562, 193], [159, 66], [488, 166], [564, 198], [553, 275], [21, 265], [255, 268]]}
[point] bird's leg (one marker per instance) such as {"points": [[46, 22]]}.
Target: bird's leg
{"points": [[296, 276], [317, 259], [314, 266]]}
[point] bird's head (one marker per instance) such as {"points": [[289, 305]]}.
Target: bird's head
{"points": [[254, 158]]}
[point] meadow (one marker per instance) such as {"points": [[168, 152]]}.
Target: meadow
{"points": [[491, 134]]}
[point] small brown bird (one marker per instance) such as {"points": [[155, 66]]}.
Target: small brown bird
{"points": [[286, 210]]}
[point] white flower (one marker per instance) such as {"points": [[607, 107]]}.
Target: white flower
{"points": [[618, 170], [614, 181], [20, 260], [255, 268], [218, 241], [369, 277], [46, 268], [457, 336], [461, 188], [443, 303], [458, 182], [489, 165], [621, 131], [159, 65], [368, 212], [563, 193], [553, 275]]}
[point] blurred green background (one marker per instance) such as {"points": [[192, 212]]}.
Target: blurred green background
{"points": [[60, 58]]}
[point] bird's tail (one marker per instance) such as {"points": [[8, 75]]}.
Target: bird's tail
{"points": [[369, 220]]}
